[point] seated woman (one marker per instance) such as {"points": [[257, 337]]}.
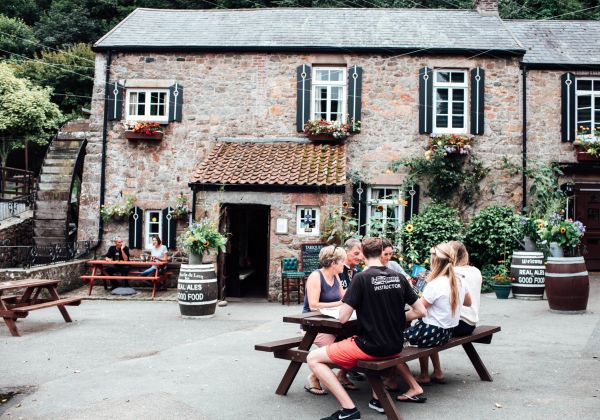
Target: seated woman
{"points": [[443, 297], [324, 290], [469, 315], [158, 252]]}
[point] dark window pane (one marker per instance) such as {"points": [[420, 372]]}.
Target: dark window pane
{"points": [[442, 108], [457, 122], [597, 102], [584, 115], [140, 109], [161, 110], [584, 101], [441, 121], [442, 94], [458, 78], [443, 76], [458, 94], [153, 110], [458, 108], [584, 85], [597, 85]]}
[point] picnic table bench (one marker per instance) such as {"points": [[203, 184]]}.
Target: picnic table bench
{"points": [[296, 350], [19, 306], [99, 273]]}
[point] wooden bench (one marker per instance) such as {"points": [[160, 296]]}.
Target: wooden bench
{"points": [[374, 370]]}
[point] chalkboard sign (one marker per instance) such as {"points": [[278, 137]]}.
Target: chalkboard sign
{"points": [[310, 257]]}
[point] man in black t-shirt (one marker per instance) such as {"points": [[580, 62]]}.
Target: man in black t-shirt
{"points": [[354, 256], [117, 252], [378, 295]]}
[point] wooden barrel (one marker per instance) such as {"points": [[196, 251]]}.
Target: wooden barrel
{"points": [[567, 284], [197, 290], [527, 268]]}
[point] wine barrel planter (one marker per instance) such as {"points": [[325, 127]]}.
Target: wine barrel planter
{"points": [[527, 268], [567, 284], [197, 290]]}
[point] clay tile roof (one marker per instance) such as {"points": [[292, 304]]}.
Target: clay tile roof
{"points": [[274, 164]]}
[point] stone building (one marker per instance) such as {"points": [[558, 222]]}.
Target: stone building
{"points": [[232, 90]]}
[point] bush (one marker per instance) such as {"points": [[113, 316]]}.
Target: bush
{"points": [[487, 273], [436, 224], [492, 235]]}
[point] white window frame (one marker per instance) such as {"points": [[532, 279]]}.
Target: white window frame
{"points": [[594, 94], [163, 119], [329, 84], [303, 231], [371, 202], [451, 86], [147, 223]]}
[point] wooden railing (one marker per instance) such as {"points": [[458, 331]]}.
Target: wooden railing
{"points": [[16, 182]]}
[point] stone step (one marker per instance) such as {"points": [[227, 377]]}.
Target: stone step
{"points": [[62, 154], [52, 196], [53, 240], [61, 178], [75, 136], [51, 205], [50, 231], [59, 161], [54, 186], [49, 215], [64, 170]]}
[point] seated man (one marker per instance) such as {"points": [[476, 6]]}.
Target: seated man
{"points": [[117, 252], [378, 294]]}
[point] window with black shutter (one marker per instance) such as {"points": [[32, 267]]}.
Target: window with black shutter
{"points": [[169, 228], [568, 123], [136, 228]]}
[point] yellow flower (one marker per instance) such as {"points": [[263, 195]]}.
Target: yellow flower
{"points": [[345, 204], [426, 261], [409, 228], [205, 244], [563, 230], [154, 219]]}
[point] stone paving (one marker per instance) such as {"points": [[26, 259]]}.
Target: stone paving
{"points": [[141, 360]]}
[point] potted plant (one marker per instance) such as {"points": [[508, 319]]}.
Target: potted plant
{"points": [[587, 144], [181, 209], [330, 130], [560, 236], [200, 238], [502, 282], [143, 130], [118, 212]]}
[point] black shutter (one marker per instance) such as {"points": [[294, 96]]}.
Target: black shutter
{"points": [[412, 207], [359, 206], [175, 102], [425, 100], [303, 81], [354, 95], [136, 227], [568, 123], [169, 229], [477, 105], [115, 101]]}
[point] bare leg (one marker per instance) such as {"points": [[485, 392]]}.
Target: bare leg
{"points": [[413, 386], [317, 362], [424, 378], [438, 373]]}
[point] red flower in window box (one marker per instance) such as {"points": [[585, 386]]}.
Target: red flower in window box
{"points": [[143, 130]]}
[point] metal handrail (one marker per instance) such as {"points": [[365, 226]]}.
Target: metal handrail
{"points": [[16, 206], [28, 256]]}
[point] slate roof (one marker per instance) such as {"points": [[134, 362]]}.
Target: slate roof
{"points": [[558, 42], [284, 163], [310, 29]]}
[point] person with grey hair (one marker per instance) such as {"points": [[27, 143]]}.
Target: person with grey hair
{"points": [[117, 252], [353, 258]]}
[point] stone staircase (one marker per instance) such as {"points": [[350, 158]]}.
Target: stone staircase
{"points": [[54, 187]]}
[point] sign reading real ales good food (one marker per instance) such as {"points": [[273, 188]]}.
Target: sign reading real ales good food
{"points": [[529, 272]]}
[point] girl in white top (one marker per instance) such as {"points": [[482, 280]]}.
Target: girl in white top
{"points": [[462, 321]]}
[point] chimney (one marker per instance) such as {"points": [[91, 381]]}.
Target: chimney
{"points": [[486, 7]]}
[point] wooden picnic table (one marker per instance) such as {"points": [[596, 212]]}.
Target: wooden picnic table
{"points": [[19, 306], [296, 350], [99, 273]]}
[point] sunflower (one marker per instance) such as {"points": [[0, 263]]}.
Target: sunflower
{"points": [[380, 208], [345, 204], [540, 225], [563, 230], [409, 228], [205, 244]]}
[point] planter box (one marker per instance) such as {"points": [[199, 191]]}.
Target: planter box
{"points": [[323, 138], [584, 156], [130, 135]]}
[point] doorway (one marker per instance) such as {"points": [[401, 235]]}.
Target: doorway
{"points": [[587, 210], [245, 264]]}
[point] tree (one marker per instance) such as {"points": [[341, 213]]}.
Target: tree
{"points": [[70, 74], [16, 37], [26, 112]]}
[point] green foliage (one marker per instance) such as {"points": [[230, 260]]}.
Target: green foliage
{"points": [[566, 233], [16, 37], [69, 73], [450, 178], [339, 225], [490, 274], [26, 113], [201, 237], [493, 234], [118, 210], [436, 224]]}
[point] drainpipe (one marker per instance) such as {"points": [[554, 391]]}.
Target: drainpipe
{"points": [[104, 136], [524, 68], [193, 219]]}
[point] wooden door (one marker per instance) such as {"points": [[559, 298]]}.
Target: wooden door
{"points": [[587, 210]]}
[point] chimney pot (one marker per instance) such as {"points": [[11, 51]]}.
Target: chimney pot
{"points": [[486, 7]]}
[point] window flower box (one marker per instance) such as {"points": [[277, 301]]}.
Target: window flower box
{"points": [[323, 130], [143, 130], [587, 144], [132, 135]]}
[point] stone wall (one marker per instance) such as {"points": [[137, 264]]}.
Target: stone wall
{"points": [[17, 231], [68, 273]]}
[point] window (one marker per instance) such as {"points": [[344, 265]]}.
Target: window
{"points": [[588, 105], [150, 105], [329, 94], [308, 221], [450, 101], [152, 226], [385, 211]]}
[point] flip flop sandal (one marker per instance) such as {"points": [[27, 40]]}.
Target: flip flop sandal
{"points": [[414, 399], [315, 391]]}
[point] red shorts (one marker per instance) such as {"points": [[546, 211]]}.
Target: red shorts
{"points": [[346, 353]]}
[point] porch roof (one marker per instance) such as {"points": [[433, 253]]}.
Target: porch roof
{"points": [[281, 163]]}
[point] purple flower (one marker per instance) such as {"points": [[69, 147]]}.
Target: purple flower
{"points": [[579, 226], [555, 218]]}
